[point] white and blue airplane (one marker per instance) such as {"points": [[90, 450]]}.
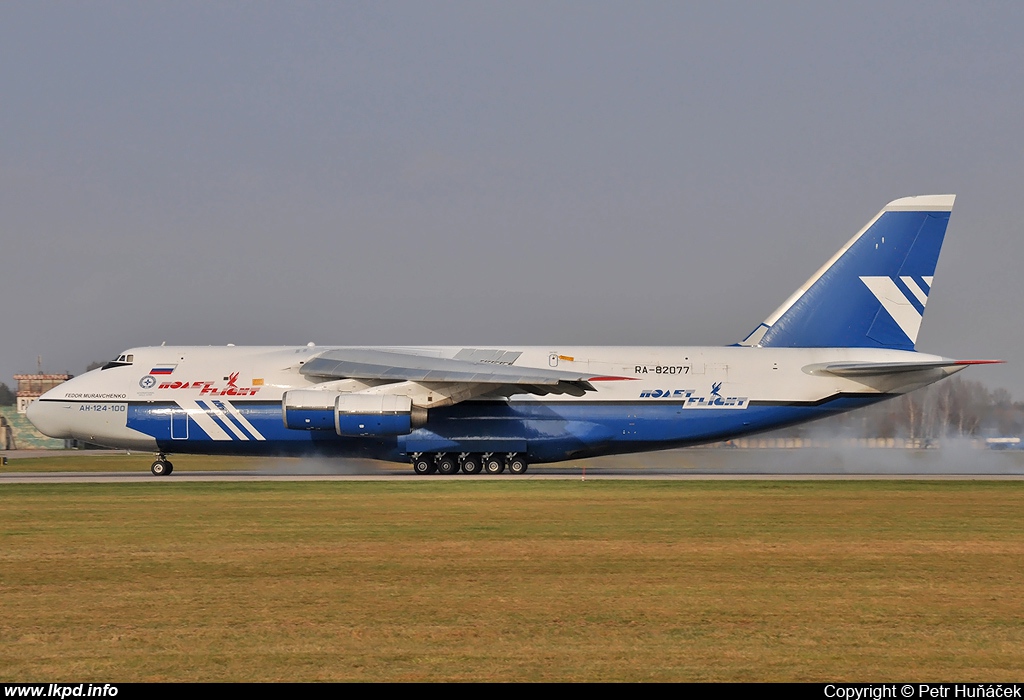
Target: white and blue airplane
{"points": [[845, 339]]}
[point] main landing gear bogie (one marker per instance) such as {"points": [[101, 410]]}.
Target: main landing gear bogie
{"points": [[162, 466], [423, 464], [517, 465], [494, 465], [472, 464], [469, 463], [447, 464]]}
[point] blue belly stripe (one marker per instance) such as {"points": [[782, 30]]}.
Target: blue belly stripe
{"points": [[550, 431]]}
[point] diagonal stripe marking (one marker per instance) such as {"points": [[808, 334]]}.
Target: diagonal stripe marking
{"points": [[237, 415], [201, 418], [218, 414], [234, 421], [915, 289], [896, 304]]}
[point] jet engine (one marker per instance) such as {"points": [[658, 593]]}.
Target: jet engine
{"points": [[351, 415]]}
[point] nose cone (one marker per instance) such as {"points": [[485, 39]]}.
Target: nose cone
{"points": [[50, 417], [92, 408]]}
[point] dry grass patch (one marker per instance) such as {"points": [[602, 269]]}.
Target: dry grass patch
{"points": [[512, 581]]}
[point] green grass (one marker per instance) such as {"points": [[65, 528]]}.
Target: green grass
{"points": [[512, 580]]}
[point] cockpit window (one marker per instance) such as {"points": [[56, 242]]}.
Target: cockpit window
{"points": [[121, 361]]}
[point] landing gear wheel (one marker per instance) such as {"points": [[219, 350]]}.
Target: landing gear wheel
{"points": [[493, 465], [161, 468], [517, 465], [423, 465], [447, 465], [471, 464], [170, 467]]}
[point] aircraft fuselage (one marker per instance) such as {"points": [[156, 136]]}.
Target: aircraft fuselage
{"points": [[219, 400]]}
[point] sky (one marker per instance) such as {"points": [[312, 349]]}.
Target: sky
{"points": [[491, 173]]}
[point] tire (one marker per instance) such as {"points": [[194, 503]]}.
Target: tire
{"points": [[448, 465], [170, 468], [471, 464], [423, 465], [159, 468], [518, 465], [494, 466]]}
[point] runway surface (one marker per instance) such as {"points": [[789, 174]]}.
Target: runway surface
{"points": [[948, 463], [209, 477]]}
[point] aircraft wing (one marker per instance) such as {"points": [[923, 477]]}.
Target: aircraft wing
{"points": [[391, 365]]}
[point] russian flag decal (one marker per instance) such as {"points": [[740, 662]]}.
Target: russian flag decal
{"points": [[162, 369]]}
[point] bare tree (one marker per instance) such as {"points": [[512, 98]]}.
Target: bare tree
{"points": [[954, 407]]}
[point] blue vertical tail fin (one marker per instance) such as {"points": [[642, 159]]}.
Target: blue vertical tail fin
{"points": [[872, 293]]}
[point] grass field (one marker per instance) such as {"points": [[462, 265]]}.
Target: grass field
{"points": [[512, 580], [952, 459]]}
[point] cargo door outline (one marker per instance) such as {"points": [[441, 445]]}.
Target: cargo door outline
{"points": [[179, 423]]}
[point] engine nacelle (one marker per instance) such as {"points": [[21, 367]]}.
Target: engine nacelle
{"points": [[373, 414], [351, 415], [307, 409]]}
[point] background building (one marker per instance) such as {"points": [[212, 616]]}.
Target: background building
{"points": [[32, 386], [16, 433]]}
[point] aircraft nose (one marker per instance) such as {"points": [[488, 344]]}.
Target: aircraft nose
{"points": [[49, 417]]}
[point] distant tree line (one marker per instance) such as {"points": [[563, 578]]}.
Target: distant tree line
{"points": [[951, 408], [7, 397]]}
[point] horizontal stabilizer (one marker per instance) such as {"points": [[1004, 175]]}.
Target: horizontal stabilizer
{"points": [[877, 369]]}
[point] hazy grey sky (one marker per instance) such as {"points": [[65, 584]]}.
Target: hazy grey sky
{"points": [[491, 173]]}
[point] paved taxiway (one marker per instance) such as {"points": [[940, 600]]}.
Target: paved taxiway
{"points": [[602, 475]]}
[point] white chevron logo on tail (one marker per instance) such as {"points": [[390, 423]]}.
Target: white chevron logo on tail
{"points": [[896, 303]]}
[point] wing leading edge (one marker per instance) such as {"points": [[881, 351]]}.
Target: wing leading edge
{"points": [[487, 377]]}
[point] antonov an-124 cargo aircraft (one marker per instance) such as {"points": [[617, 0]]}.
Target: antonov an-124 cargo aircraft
{"points": [[845, 339]]}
